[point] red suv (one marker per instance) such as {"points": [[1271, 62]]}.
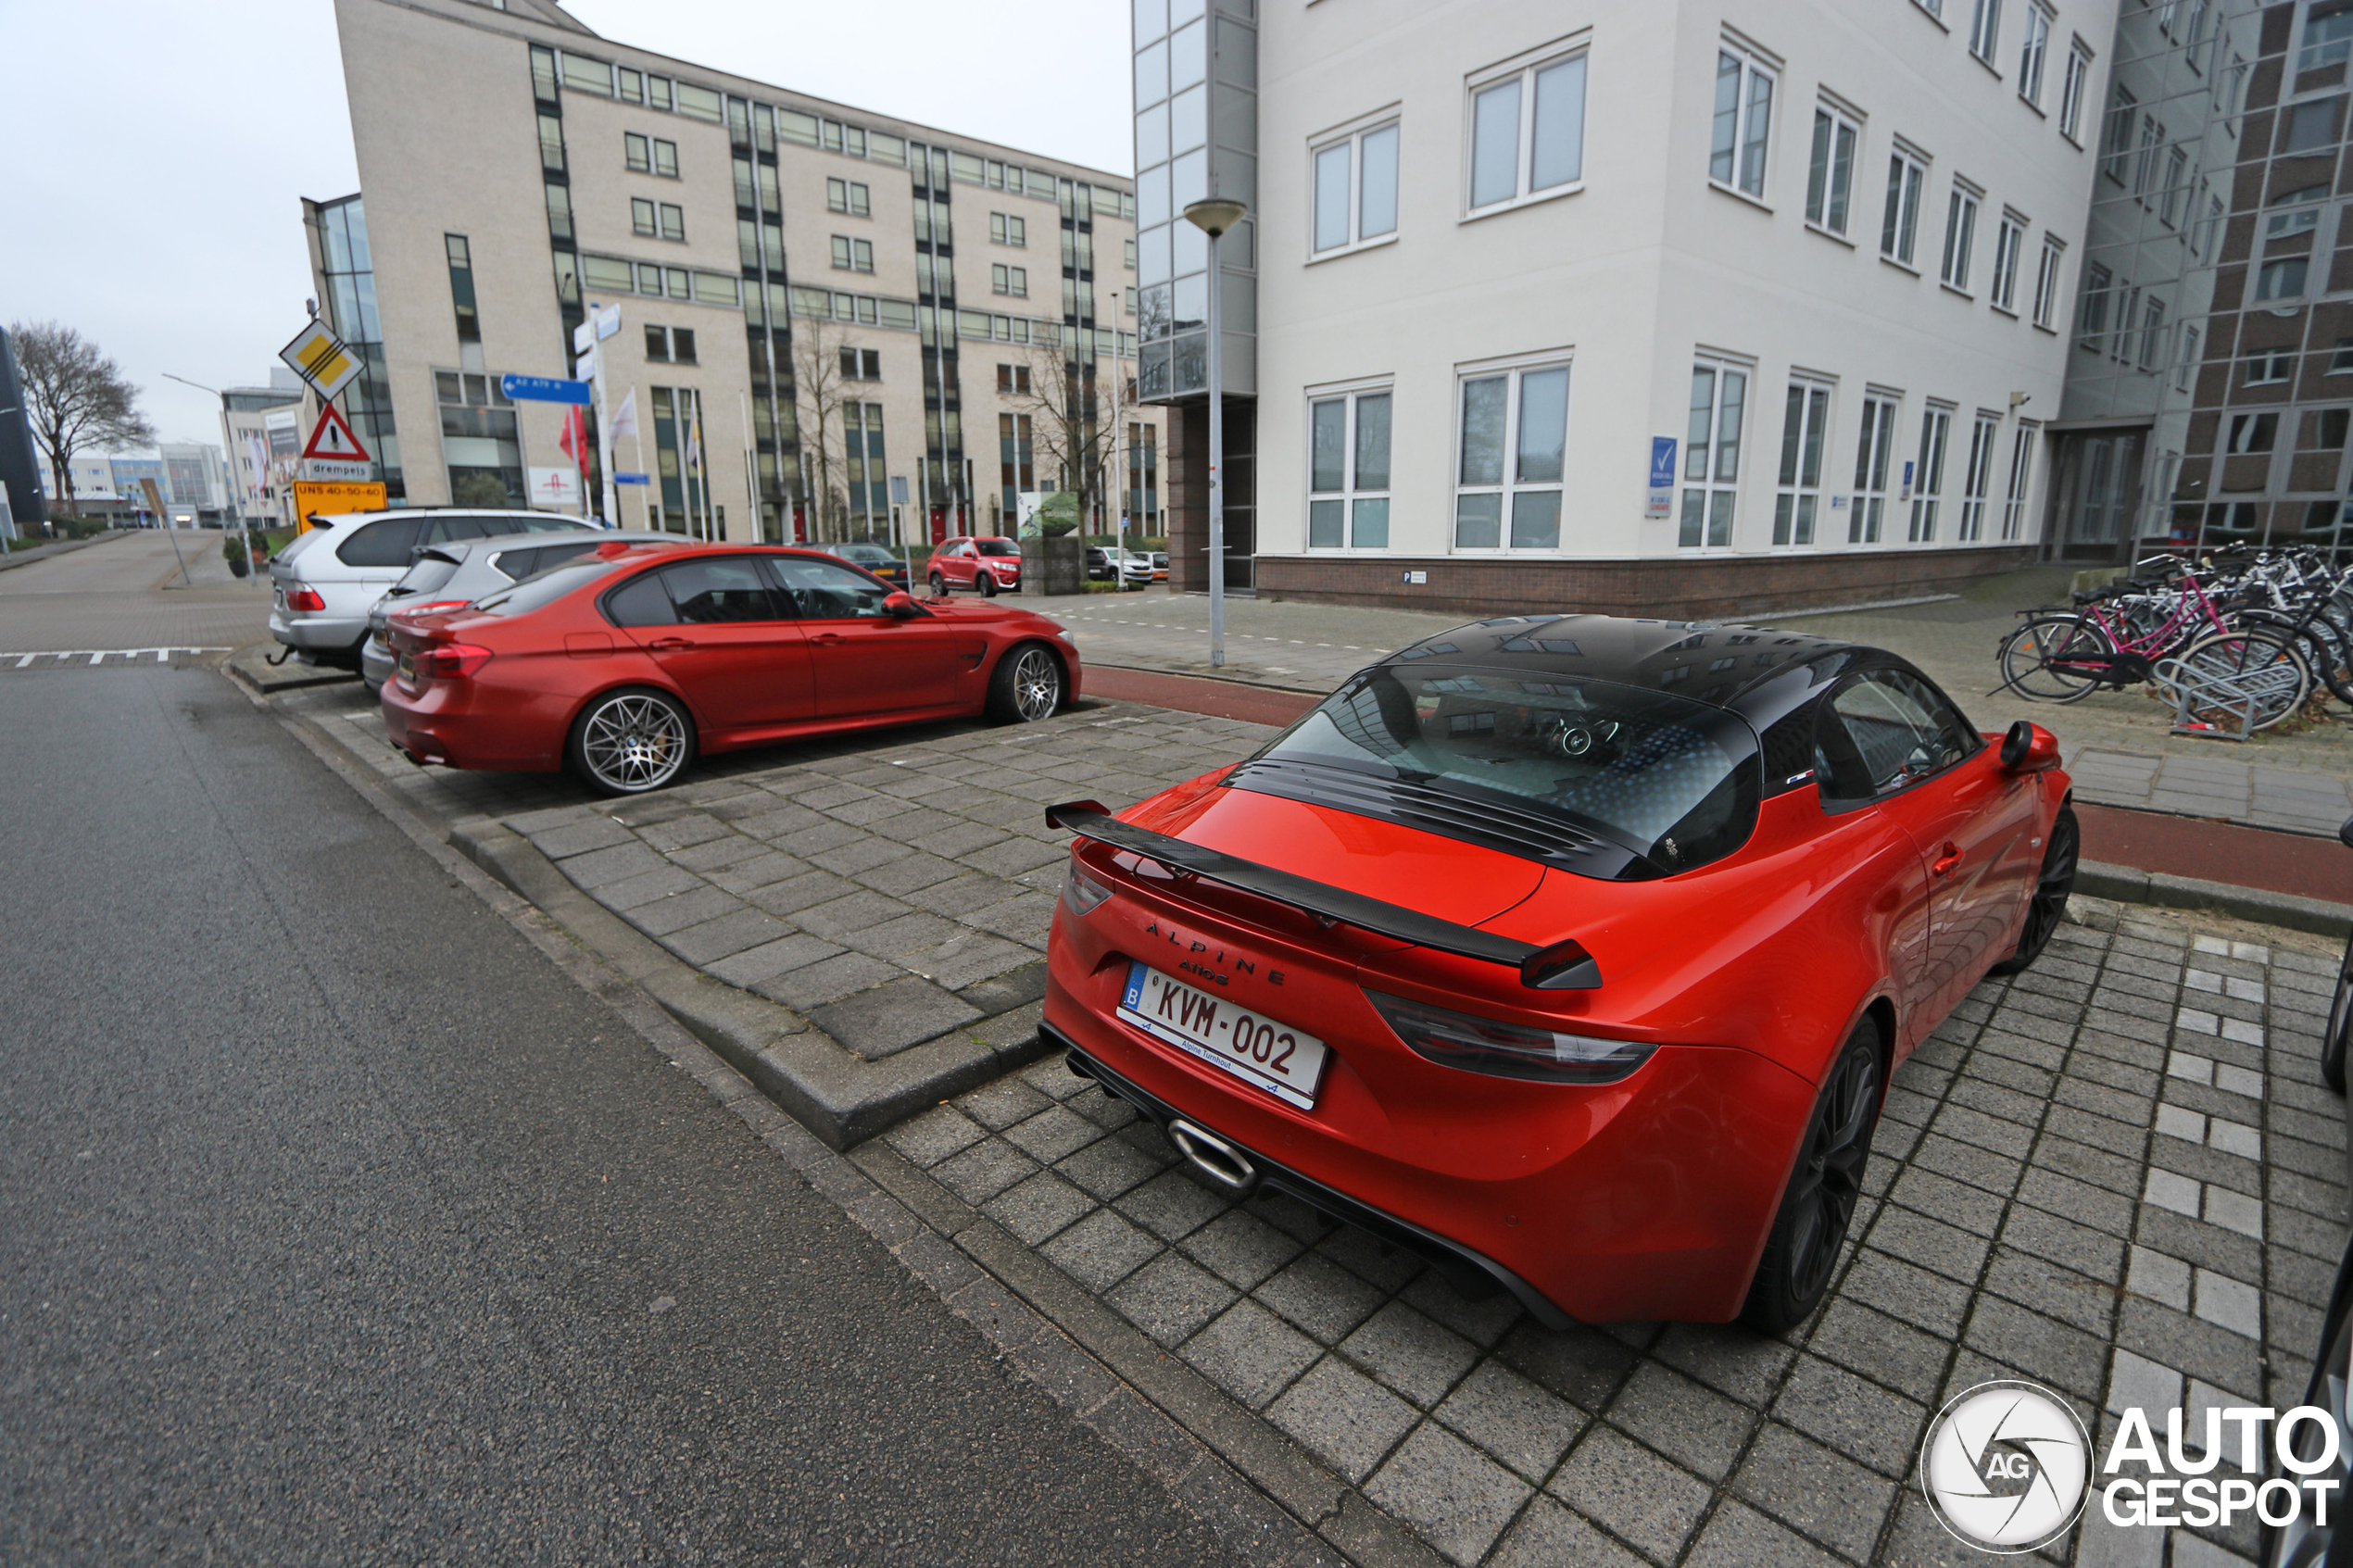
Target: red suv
{"points": [[989, 565]]}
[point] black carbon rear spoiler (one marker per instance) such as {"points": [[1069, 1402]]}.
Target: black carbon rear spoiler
{"points": [[1563, 966]]}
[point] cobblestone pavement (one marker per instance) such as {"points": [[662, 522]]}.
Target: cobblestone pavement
{"points": [[114, 595], [2117, 1175]]}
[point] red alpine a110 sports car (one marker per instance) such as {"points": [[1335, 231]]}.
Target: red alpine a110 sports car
{"points": [[626, 662], [1570, 953]]}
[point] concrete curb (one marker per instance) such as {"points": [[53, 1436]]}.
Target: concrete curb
{"points": [[2129, 885], [248, 664], [836, 1094]]}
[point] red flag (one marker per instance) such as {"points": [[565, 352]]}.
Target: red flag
{"points": [[574, 443]]}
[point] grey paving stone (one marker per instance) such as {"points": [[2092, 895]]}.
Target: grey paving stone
{"points": [[1739, 1536], [998, 1105], [1053, 1078], [1456, 1497], [789, 897], [2072, 1298], [964, 956], [718, 852], [633, 892], [2079, 1248], [1930, 1243], [685, 832], [602, 868], [567, 839], [1952, 1202], [2045, 1348], [958, 840], [725, 936], [855, 911], [1343, 1418], [762, 871], [939, 1133], [1250, 1353], [1584, 1366], [982, 1171], [1172, 1206], [1240, 1249], [1410, 1353], [1883, 1349], [962, 896], [1866, 1423], [1038, 1208], [1108, 1167], [1511, 1419], [1367, 1256], [1320, 1297], [1727, 1357], [1483, 1322], [827, 980], [1824, 1493], [1053, 1132], [769, 959], [2189, 1345], [690, 906], [905, 873], [1101, 1251], [1170, 1298], [1548, 1536], [1693, 1425], [1021, 986], [1632, 1491]]}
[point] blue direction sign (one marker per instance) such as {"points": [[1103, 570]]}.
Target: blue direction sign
{"points": [[545, 389], [633, 479]]}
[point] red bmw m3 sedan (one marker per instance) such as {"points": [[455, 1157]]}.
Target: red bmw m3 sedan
{"points": [[1570, 953], [626, 663]]}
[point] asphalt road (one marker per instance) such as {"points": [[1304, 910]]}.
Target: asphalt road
{"points": [[336, 1225]]}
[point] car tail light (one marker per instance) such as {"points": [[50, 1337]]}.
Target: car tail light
{"points": [[1082, 894], [1507, 1051], [451, 661], [306, 599]]}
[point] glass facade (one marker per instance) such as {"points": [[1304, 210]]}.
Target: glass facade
{"points": [[1196, 136], [349, 302]]}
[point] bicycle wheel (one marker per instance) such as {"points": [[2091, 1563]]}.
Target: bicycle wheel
{"points": [[2027, 657], [2329, 651], [2259, 662]]}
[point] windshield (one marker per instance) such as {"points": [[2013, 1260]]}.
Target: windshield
{"points": [[544, 588], [866, 555], [1672, 783], [430, 573], [997, 547]]}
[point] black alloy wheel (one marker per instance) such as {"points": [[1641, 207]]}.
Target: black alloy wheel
{"points": [[2048, 904], [987, 584], [1819, 1204]]}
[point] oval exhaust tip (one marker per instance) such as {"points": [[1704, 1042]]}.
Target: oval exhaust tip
{"points": [[1215, 1158]]}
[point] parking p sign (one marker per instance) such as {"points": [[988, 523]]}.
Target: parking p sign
{"points": [[1662, 475]]}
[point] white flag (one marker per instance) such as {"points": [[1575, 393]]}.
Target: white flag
{"points": [[625, 419]]}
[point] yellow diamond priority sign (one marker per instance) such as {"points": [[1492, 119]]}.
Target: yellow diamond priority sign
{"points": [[321, 358]]}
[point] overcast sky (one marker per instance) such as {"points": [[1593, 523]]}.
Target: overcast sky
{"points": [[156, 162]]}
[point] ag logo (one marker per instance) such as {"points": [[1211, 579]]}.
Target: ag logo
{"points": [[2007, 1467]]}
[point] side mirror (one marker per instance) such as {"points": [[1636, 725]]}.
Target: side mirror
{"points": [[2029, 748], [901, 605]]}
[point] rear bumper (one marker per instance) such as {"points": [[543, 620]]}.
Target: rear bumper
{"points": [[1471, 1275], [376, 663], [318, 634]]}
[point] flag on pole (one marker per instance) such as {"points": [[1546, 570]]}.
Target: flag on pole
{"points": [[625, 419], [574, 443]]}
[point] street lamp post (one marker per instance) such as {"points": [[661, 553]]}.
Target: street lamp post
{"points": [[228, 475], [1214, 218]]}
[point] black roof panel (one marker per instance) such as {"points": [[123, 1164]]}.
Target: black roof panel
{"points": [[1706, 662]]}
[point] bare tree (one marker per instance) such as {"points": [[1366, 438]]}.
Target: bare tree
{"points": [[1067, 431], [75, 397], [818, 396]]}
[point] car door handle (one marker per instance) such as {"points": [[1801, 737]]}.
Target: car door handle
{"points": [[1946, 864], [828, 640], [671, 645]]}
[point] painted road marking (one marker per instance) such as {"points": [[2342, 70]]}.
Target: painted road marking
{"points": [[24, 660]]}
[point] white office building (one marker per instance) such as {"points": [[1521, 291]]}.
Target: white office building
{"points": [[1648, 309]]}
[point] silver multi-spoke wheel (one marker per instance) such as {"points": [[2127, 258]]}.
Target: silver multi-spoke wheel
{"points": [[1026, 687], [633, 741]]}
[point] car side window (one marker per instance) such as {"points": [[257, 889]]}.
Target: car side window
{"points": [[386, 543], [641, 601], [820, 591], [714, 590], [1884, 731], [448, 529]]}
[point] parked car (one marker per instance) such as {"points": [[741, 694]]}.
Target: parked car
{"points": [[444, 576], [628, 662], [874, 557], [326, 577], [1160, 566], [990, 566], [1106, 563], [1572, 954]]}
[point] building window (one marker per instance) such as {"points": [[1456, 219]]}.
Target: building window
{"points": [[670, 344], [2269, 369], [643, 219], [1960, 234], [853, 255], [2031, 54], [2145, 163], [1004, 229], [1143, 474], [2252, 433], [862, 364], [1527, 134], [2341, 362], [2117, 144], [1347, 472], [1014, 379], [1805, 424], [1984, 28], [2079, 75], [2014, 499], [2311, 126], [2328, 41], [1926, 478], [1977, 478], [637, 151], [2282, 279], [2297, 212], [558, 210], [461, 287], [2152, 331], [2187, 363], [1744, 123], [1712, 455], [1830, 176], [849, 196], [551, 142], [1899, 224], [479, 440], [1013, 280], [1871, 457], [1356, 189], [2046, 281], [2009, 240], [2091, 323], [1129, 259], [1016, 458], [864, 470], [1515, 439], [665, 159]]}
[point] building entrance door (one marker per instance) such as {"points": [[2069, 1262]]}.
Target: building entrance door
{"points": [[2097, 492]]}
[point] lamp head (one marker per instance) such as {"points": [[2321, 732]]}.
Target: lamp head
{"points": [[1215, 215]]}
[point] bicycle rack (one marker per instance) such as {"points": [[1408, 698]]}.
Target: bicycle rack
{"points": [[2241, 694]]}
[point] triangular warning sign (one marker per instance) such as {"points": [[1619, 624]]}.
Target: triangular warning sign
{"points": [[332, 439]]}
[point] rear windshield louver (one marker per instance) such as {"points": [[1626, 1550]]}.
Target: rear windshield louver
{"points": [[1485, 822]]}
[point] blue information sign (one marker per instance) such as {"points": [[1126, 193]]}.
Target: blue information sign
{"points": [[545, 389], [1662, 486], [633, 479]]}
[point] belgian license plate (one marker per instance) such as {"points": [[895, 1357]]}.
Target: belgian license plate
{"points": [[407, 664], [1286, 1063]]}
